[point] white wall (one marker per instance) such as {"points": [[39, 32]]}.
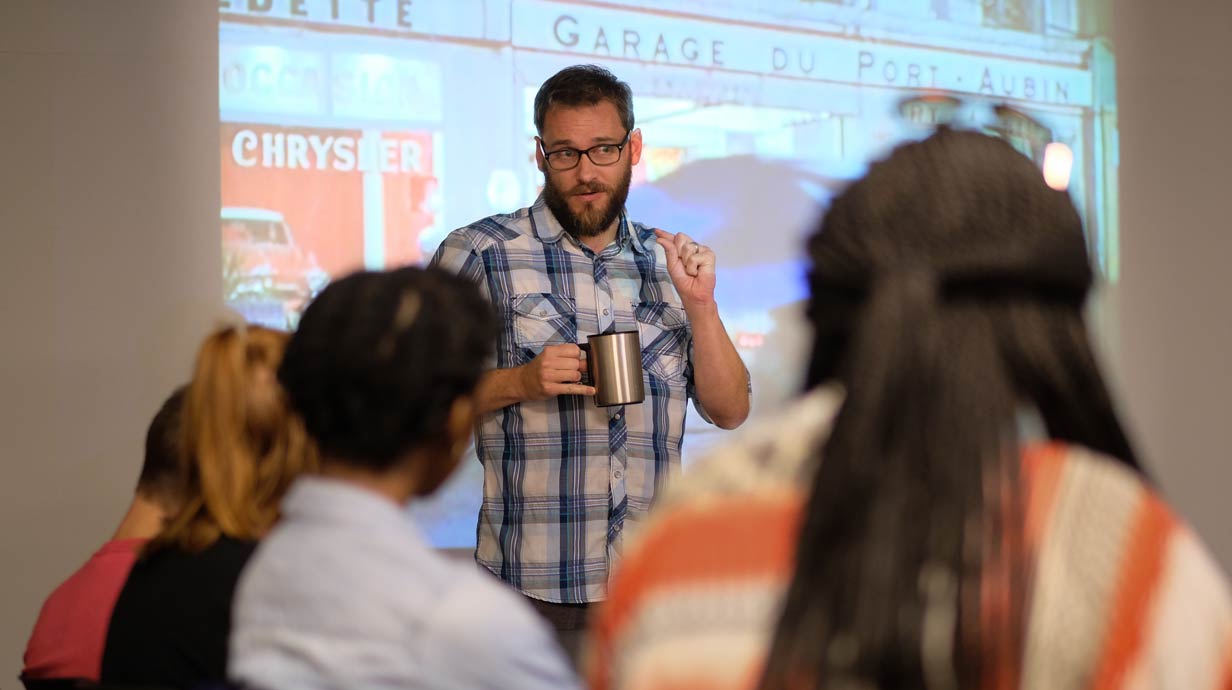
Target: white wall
{"points": [[1175, 334], [109, 265], [109, 269]]}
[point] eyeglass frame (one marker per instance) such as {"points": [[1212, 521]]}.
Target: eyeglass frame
{"points": [[620, 152]]}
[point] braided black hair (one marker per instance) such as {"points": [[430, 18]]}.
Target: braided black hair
{"points": [[947, 289], [379, 358]]}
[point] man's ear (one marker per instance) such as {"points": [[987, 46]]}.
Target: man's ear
{"points": [[539, 155], [447, 448], [635, 147], [461, 422]]}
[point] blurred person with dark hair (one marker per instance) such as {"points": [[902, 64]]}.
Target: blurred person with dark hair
{"points": [[562, 476], [923, 536], [68, 637], [346, 592], [242, 446]]}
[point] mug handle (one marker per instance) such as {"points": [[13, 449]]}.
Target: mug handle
{"points": [[586, 380]]}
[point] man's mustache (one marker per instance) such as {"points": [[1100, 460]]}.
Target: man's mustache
{"points": [[589, 189]]}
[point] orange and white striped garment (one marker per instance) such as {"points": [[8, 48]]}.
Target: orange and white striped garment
{"points": [[1124, 595]]}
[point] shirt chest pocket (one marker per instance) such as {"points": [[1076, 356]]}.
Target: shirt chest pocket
{"points": [[664, 331], [541, 319]]}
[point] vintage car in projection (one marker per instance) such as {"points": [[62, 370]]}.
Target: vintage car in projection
{"points": [[267, 277]]}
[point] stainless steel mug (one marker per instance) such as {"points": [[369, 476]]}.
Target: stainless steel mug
{"points": [[614, 362]]}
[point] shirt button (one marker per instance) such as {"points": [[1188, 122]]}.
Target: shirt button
{"points": [[605, 312], [618, 415], [618, 474]]}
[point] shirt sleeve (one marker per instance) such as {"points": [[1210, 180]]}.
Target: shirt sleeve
{"points": [[691, 389], [691, 386], [458, 254]]}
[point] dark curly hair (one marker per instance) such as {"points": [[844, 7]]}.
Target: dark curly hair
{"points": [[379, 358], [584, 85], [162, 472], [947, 288]]}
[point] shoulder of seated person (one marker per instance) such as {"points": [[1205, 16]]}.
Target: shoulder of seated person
{"points": [[505, 643], [771, 455], [474, 596]]}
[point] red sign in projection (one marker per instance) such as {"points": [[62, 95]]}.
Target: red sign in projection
{"points": [[303, 204]]}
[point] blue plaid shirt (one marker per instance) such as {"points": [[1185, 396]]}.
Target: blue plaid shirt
{"points": [[562, 477]]}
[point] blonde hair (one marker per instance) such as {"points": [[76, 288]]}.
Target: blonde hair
{"points": [[243, 443]]}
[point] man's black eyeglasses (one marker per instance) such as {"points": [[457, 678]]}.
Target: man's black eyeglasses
{"points": [[568, 158]]}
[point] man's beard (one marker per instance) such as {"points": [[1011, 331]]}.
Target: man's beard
{"points": [[594, 220]]}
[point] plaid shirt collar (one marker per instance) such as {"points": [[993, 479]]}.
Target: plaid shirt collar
{"points": [[548, 230]]}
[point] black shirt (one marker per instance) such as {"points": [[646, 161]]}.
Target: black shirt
{"points": [[173, 617]]}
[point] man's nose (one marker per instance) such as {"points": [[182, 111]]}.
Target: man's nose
{"points": [[586, 170]]}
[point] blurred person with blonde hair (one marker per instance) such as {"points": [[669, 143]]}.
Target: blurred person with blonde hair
{"points": [[954, 502], [243, 447]]}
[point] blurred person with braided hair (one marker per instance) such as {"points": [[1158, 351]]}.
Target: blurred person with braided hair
{"points": [[346, 592], [901, 526]]}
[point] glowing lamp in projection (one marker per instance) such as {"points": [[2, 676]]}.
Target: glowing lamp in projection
{"points": [[1058, 164]]}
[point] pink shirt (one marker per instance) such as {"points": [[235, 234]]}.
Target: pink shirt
{"points": [[71, 629]]}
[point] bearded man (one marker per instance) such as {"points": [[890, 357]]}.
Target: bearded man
{"points": [[564, 478]]}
